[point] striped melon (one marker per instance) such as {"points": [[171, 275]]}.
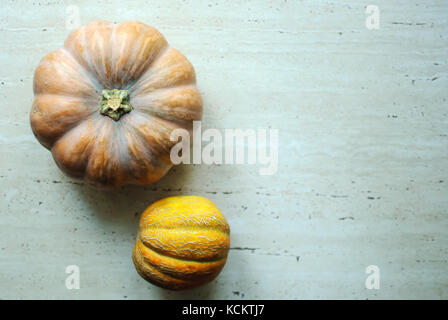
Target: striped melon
{"points": [[182, 242]]}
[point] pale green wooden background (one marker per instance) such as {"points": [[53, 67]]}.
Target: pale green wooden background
{"points": [[363, 172]]}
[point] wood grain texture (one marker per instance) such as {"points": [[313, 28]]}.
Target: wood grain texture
{"points": [[363, 160]]}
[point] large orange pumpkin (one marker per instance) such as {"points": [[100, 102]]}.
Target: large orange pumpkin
{"points": [[182, 242], [106, 103]]}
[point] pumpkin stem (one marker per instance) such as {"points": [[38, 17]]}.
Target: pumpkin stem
{"points": [[115, 103]]}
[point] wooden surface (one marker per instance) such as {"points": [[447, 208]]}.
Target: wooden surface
{"points": [[363, 160]]}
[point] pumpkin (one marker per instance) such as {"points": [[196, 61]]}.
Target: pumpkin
{"points": [[182, 242], [106, 103]]}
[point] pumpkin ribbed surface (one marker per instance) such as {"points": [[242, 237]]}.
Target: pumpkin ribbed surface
{"points": [[106, 103], [182, 242]]}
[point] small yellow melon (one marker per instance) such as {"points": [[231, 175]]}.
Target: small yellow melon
{"points": [[182, 242]]}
